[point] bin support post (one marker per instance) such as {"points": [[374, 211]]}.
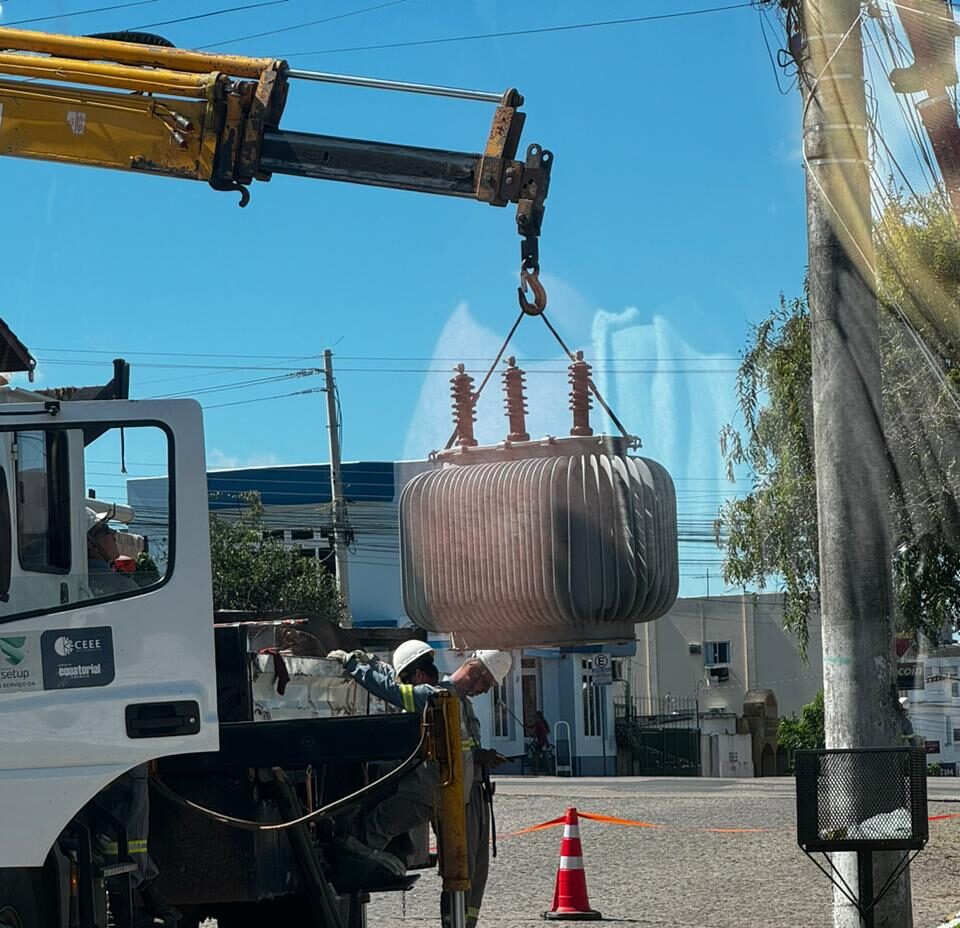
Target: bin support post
{"points": [[865, 888]]}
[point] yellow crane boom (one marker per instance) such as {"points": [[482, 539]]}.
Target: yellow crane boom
{"points": [[133, 106]]}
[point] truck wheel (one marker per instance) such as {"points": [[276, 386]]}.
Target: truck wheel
{"points": [[20, 899]]}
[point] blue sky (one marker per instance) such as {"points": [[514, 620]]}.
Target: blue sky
{"points": [[675, 218]]}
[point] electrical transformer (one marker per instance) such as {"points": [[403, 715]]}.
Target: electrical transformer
{"points": [[563, 541]]}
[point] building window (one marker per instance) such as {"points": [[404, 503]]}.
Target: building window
{"points": [[955, 689], [502, 719], [716, 652], [956, 734], [592, 696], [301, 534]]}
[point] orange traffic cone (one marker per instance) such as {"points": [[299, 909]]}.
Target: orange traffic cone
{"points": [[570, 896]]}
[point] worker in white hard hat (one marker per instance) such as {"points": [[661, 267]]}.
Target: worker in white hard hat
{"points": [[415, 801], [477, 675]]}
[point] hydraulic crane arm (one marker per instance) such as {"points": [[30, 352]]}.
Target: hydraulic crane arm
{"points": [[216, 118]]}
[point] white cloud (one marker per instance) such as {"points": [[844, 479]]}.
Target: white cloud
{"points": [[679, 417], [218, 459]]}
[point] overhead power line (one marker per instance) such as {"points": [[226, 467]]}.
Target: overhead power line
{"points": [[486, 359], [542, 30], [415, 370], [260, 399], [306, 25], [208, 15], [99, 9]]}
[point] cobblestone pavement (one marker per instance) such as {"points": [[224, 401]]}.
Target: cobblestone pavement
{"points": [[678, 875]]}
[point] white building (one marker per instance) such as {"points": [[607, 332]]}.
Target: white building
{"points": [[717, 648], [933, 703], [727, 654]]}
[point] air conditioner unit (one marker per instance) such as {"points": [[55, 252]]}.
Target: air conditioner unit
{"points": [[695, 647], [721, 673]]}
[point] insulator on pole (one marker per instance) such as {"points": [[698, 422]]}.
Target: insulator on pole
{"points": [[515, 402], [461, 391], [580, 403]]}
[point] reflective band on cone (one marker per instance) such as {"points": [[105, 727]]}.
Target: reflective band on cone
{"points": [[570, 895]]}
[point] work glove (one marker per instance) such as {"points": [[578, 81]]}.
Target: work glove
{"points": [[344, 657]]}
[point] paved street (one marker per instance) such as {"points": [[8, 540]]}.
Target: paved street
{"points": [[678, 875]]}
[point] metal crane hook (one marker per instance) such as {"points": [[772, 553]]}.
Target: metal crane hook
{"points": [[530, 280]]}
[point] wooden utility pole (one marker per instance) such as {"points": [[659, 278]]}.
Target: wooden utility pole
{"points": [[852, 470], [338, 503]]}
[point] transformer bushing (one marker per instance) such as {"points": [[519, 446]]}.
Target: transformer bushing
{"points": [[515, 402], [461, 391], [580, 403]]}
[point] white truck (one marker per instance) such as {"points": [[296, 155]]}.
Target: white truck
{"points": [[102, 673]]}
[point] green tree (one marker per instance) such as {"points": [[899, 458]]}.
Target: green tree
{"points": [[805, 733], [771, 534], [256, 572]]}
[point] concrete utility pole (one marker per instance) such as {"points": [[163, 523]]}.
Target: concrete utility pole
{"points": [[852, 468], [336, 488]]}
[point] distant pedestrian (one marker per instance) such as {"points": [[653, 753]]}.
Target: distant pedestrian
{"points": [[541, 740]]}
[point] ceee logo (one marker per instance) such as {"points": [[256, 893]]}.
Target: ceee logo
{"points": [[65, 646]]}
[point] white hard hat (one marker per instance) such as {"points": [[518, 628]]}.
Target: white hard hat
{"points": [[408, 652], [95, 520], [497, 662]]}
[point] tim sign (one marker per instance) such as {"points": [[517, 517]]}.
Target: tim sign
{"points": [[910, 675]]}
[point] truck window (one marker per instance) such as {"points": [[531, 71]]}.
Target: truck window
{"points": [[43, 501], [92, 511], [126, 510]]}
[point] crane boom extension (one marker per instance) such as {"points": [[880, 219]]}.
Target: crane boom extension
{"points": [[216, 118]]}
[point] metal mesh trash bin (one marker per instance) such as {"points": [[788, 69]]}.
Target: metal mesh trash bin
{"points": [[872, 799], [862, 800]]}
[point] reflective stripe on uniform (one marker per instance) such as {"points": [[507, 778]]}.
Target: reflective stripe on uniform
{"points": [[469, 743], [406, 694], [138, 846], [473, 912]]}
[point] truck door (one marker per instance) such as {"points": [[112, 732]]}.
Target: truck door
{"points": [[106, 628]]}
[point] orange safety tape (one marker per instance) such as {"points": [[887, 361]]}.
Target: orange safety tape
{"points": [[525, 831], [610, 820], [613, 820]]}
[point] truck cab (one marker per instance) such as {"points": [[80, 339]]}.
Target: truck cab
{"points": [[88, 655], [106, 670]]}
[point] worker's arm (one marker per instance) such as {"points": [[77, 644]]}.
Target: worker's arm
{"points": [[381, 681]]}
